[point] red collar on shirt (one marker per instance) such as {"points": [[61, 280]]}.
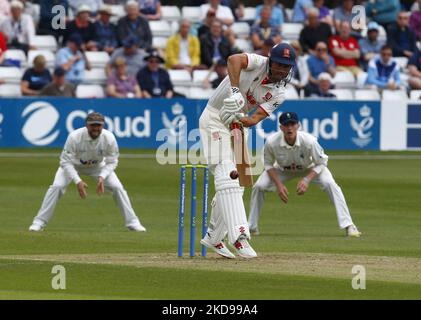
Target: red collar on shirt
{"points": [[265, 81]]}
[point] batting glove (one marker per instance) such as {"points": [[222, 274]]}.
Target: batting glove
{"points": [[230, 118]]}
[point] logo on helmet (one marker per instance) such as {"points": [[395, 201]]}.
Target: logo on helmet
{"points": [[286, 53]]}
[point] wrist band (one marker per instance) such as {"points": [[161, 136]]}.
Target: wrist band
{"points": [[306, 180], [235, 90]]}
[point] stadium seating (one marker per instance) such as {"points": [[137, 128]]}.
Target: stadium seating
{"points": [[415, 94], [365, 94], [44, 43], [97, 59], [89, 91], [402, 62], [394, 95], [200, 75], [184, 90], [160, 28], [170, 13], [291, 31], [241, 29], [180, 77], [191, 13], [48, 55], [11, 75], [343, 94], [249, 14], [10, 90], [200, 94], [159, 42], [344, 79], [244, 45], [95, 76], [16, 54]]}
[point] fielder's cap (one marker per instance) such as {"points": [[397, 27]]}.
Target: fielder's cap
{"points": [[106, 9], [84, 8], [59, 72], [76, 38], [283, 53], [129, 41], [16, 4], [373, 25], [324, 76], [288, 117], [95, 118]]}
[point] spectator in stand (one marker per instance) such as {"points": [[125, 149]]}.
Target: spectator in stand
{"points": [[345, 50], [134, 25], [4, 9], [221, 70], [300, 10], [383, 71], [72, 59], [324, 85], [343, 13], [94, 5], [183, 49], [59, 87], [414, 68], [46, 17], [383, 12], [300, 73], [277, 15], [264, 29], [401, 37], [3, 48], [319, 62], [222, 13], [324, 12], [121, 84], [267, 46], [35, 78], [19, 28], [153, 80], [236, 6], [150, 9], [84, 27], [30, 10], [415, 20], [106, 35], [370, 45], [206, 23], [215, 46], [133, 56], [314, 32]]}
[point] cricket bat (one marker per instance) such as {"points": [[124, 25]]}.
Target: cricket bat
{"points": [[241, 155]]}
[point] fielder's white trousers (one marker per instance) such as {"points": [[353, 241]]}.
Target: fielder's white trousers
{"points": [[324, 180], [228, 213], [61, 181]]}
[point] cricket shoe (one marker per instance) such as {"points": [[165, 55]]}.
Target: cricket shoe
{"points": [[254, 232], [36, 227], [219, 248], [244, 249], [136, 227], [352, 231]]}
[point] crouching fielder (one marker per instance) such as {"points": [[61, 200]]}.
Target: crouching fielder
{"points": [[255, 85], [90, 151], [292, 154]]}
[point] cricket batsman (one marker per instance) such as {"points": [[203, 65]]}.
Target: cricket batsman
{"points": [[290, 154], [253, 89], [90, 151]]}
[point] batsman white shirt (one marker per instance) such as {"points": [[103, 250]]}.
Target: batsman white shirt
{"points": [[306, 153], [253, 86], [82, 152]]}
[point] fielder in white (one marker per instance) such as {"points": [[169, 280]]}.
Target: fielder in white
{"points": [[91, 151], [290, 154], [255, 85]]}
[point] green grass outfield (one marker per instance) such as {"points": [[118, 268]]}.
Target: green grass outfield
{"points": [[302, 253]]}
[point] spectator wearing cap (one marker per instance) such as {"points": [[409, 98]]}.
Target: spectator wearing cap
{"points": [[19, 28], [150, 9], [276, 17], [415, 20], [370, 45], [383, 71], [106, 35], [83, 26], [345, 50], [215, 46], [314, 32], [183, 49], [264, 29], [59, 87], [300, 72], [383, 12], [223, 14], [300, 10], [414, 68], [324, 85], [72, 60], [319, 62], [47, 15], [122, 85], [35, 78], [401, 37], [94, 5], [134, 25], [153, 80], [133, 56]]}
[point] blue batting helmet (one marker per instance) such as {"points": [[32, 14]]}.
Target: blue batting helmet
{"points": [[283, 53]]}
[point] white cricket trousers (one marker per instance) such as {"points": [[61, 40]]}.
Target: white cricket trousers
{"points": [[61, 181], [324, 180], [228, 213]]}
